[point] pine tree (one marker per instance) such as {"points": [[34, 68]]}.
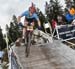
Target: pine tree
{"points": [[41, 17], [54, 9], [14, 29], [2, 41], [69, 4], [74, 2], [1, 38], [8, 35]]}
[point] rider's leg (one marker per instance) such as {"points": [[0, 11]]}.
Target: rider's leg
{"points": [[32, 24], [24, 29]]}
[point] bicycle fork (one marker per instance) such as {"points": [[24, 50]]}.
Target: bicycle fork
{"points": [[28, 43]]}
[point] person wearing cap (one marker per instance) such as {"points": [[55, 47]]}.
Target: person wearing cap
{"points": [[30, 16]]}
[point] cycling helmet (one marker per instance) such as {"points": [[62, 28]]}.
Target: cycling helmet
{"points": [[32, 8]]}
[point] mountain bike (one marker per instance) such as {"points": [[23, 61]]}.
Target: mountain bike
{"points": [[28, 37]]}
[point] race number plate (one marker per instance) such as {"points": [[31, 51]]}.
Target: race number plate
{"points": [[30, 28]]}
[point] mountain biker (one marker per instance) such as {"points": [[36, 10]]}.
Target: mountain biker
{"points": [[30, 17]]}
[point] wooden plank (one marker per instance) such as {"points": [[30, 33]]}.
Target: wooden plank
{"points": [[51, 56]]}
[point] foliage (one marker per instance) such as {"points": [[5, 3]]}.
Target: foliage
{"points": [[13, 30], [2, 41], [41, 17], [53, 9]]}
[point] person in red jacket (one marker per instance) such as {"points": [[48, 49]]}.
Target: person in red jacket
{"points": [[54, 23]]}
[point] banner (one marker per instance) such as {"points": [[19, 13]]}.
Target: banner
{"points": [[67, 32]]}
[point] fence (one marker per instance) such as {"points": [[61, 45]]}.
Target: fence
{"points": [[64, 32], [13, 62]]}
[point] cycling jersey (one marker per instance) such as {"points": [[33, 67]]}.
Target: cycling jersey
{"points": [[27, 15], [69, 17]]}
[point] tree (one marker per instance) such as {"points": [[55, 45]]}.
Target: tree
{"points": [[74, 2], [41, 17], [2, 41], [13, 32], [69, 4], [54, 9], [8, 35], [16, 27]]}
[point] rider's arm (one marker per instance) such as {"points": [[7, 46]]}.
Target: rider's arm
{"points": [[39, 23], [23, 14], [37, 18]]}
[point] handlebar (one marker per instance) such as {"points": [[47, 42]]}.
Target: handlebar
{"points": [[22, 26]]}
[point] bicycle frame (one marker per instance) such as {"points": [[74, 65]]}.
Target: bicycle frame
{"points": [[29, 31]]}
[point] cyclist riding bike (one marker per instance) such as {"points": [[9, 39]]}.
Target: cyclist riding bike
{"points": [[30, 17]]}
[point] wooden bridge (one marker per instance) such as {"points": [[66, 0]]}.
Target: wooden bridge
{"points": [[50, 56]]}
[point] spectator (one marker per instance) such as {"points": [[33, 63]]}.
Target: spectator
{"points": [[72, 10], [54, 23], [1, 55], [69, 18], [70, 15], [60, 19]]}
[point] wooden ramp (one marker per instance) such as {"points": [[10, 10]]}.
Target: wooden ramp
{"points": [[51, 56]]}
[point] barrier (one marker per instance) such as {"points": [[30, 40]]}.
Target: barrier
{"points": [[47, 26], [13, 61], [64, 32]]}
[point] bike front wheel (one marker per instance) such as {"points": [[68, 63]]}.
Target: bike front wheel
{"points": [[28, 44]]}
